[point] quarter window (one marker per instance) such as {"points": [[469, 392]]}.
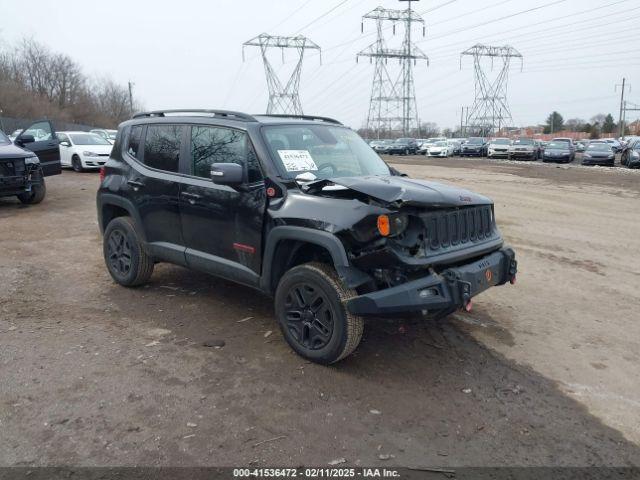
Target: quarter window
{"points": [[222, 145], [162, 147], [133, 146]]}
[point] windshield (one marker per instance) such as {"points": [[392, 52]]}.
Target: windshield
{"points": [[440, 144], [561, 145], [4, 138], [523, 141], [475, 141], [325, 151], [501, 141], [599, 147], [87, 139]]}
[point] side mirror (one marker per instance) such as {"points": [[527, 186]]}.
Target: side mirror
{"points": [[22, 139], [64, 143], [227, 174]]}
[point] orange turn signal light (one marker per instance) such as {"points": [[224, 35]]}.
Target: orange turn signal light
{"points": [[384, 225]]}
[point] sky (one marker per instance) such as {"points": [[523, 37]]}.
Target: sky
{"points": [[188, 54]]}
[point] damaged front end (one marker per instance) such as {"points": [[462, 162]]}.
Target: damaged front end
{"points": [[19, 175], [422, 246]]}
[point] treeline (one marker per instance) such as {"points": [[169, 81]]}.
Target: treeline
{"points": [[596, 126], [38, 83]]}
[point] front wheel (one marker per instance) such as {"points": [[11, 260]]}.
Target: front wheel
{"points": [[310, 307], [36, 195], [76, 163]]}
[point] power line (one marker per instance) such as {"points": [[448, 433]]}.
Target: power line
{"points": [[290, 15], [322, 16]]}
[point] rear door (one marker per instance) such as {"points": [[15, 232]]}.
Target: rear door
{"points": [[65, 149], [46, 146]]}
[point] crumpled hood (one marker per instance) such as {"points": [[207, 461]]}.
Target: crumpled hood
{"points": [[404, 190]]}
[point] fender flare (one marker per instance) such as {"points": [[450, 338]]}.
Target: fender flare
{"points": [[105, 199], [350, 275]]}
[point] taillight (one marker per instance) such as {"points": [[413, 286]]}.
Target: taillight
{"points": [[102, 174]]}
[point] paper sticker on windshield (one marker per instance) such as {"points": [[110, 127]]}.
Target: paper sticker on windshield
{"points": [[297, 160]]}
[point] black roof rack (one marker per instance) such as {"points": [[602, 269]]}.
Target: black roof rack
{"points": [[304, 117], [217, 113]]}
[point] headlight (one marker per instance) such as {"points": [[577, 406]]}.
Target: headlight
{"points": [[32, 160], [586, 155], [90, 154], [635, 154]]}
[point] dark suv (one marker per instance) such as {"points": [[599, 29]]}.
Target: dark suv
{"points": [[300, 208], [34, 155]]}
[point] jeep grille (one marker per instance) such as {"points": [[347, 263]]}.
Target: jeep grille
{"points": [[456, 228]]}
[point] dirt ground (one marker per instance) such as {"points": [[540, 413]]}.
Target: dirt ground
{"points": [[541, 373]]}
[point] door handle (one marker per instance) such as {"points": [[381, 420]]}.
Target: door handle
{"points": [[191, 197], [135, 184], [52, 144]]}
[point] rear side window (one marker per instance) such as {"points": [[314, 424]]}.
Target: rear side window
{"points": [[222, 145], [162, 147], [133, 146]]}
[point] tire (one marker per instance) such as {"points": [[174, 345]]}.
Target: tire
{"points": [[126, 260], [76, 163], [406, 151], [35, 196], [310, 308]]}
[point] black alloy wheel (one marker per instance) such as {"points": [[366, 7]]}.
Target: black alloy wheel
{"points": [[309, 316], [119, 252]]}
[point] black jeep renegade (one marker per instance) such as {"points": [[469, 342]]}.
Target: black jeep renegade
{"points": [[300, 208]]}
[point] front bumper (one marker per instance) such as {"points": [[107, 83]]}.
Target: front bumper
{"points": [[498, 153], [447, 291], [605, 162], [93, 162], [526, 154], [472, 153]]}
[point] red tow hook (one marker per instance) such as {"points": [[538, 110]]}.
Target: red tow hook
{"points": [[513, 280], [468, 306]]}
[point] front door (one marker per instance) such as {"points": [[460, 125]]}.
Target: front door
{"points": [[65, 149], [221, 225], [45, 146]]}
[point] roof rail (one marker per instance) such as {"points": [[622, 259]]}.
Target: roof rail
{"points": [[216, 113], [304, 117]]}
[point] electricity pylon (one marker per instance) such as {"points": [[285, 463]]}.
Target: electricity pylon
{"points": [[490, 111], [282, 99], [393, 100]]}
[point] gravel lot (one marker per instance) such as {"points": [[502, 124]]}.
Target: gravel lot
{"points": [[543, 373]]}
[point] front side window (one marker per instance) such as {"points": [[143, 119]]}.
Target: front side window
{"points": [[162, 147], [41, 131], [222, 145], [322, 150], [135, 137]]}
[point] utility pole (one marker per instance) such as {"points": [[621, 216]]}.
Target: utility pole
{"points": [[620, 119], [282, 99], [131, 84], [490, 108], [393, 102], [461, 118]]}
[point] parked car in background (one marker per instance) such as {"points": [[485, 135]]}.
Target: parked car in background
{"points": [[456, 146], [524, 149], [560, 152], [424, 146], [498, 147], [580, 146], [440, 149], [108, 135], [383, 146], [630, 156], [616, 146], [475, 147], [83, 150], [25, 162], [403, 146], [599, 154], [570, 145]]}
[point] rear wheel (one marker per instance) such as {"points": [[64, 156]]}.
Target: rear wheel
{"points": [[126, 260], [310, 307]]}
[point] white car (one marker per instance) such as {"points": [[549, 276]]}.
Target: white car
{"points": [[108, 135], [426, 144], [440, 149], [499, 147], [83, 150]]}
